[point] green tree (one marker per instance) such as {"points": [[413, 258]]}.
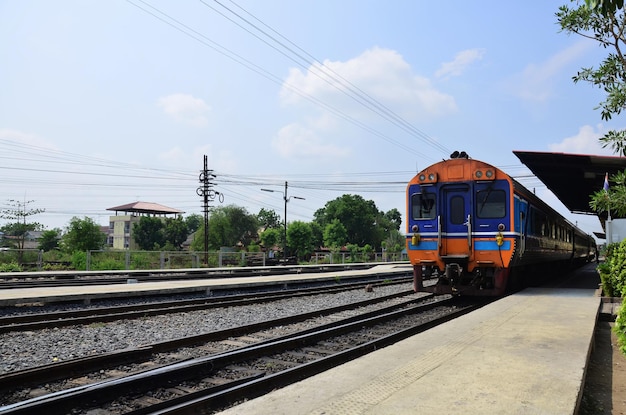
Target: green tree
{"points": [[18, 214], [271, 237], [228, 226], [360, 217], [394, 244], [175, 232], [49, 240], [335, 234], [300, 239], [148, 233], [318, 234], [605, 23], [268, 219], [613, 200], [193, 222], [82, 235], [605, 7]]}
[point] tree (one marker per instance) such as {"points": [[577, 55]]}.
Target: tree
{"points": [[193, 222], [271, 237], [83, 235], [605, 7], [300, 239], [148, 233], [268, 219], [363, 222], [603, 21], [49, 240], [175, 232], [335, 234], [19, 226], [228, 226]]}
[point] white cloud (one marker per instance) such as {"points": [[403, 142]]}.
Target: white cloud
{"points": [[380, 75], [358, 91], [186, 109], [585, 142], [534, 83], [295, 141], [461, 61]]}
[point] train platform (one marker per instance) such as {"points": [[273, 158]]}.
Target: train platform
{"points": [[523, 354], [87, 293]]}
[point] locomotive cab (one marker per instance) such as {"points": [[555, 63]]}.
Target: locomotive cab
{"points": [[459, 227]]}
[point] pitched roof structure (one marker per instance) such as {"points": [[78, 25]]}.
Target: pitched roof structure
{"points": [[148, 208], [573, 178]]}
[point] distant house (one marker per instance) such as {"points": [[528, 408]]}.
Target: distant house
{"points": [[121, 225], [31, 239]]}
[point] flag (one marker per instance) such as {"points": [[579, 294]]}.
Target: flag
{"points": [[606, 182]]}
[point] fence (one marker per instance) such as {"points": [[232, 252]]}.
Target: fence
{"points": [[33, 259]]}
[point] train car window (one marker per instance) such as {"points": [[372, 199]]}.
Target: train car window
{"points": [[424, 205], [457, 210], [490, 204]]}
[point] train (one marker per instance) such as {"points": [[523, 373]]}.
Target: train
{"points": [[474, 230]]}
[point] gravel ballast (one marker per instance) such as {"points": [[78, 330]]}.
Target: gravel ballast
{"points": [[23, 350]]}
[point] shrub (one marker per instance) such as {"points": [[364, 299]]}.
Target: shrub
{"points": [[620, 328], [10, 267], [613, 270]]}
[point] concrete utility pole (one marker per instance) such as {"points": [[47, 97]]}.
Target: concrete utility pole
{"points": [[208, 194], [286, 199]]}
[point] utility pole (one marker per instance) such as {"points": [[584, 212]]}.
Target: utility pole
{"points": [[208, 194], [286, 199]]}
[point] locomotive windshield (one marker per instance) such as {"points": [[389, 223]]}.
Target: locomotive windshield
{"points": [[490, 204], [423, 205]]}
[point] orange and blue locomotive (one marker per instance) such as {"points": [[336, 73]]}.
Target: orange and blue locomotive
{"points": [[474, 230]]}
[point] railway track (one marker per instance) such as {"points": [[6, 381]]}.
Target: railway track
{"points": [[48, 319], [227, 366], [73, 278]]}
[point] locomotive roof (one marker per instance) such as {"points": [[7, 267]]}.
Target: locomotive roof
{"points": [[573, 178]]}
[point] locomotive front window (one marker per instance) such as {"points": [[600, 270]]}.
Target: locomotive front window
{"points": [[490, 204], [423, 206], [457, 210]]}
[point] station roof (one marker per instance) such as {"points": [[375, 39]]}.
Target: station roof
{"points": [[146, 208], [573, 178]]}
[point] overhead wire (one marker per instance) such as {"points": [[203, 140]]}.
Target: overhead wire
{"points": [[351, 90]]}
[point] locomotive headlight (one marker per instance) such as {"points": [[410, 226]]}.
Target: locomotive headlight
{"points": [[431, 177], [415, 228], [479, 174], [422, 177], [489, 174]]}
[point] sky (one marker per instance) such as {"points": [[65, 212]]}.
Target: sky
{"points": [[104, 103]]}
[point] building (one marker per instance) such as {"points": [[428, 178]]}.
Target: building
{"points": [[121, 225]]}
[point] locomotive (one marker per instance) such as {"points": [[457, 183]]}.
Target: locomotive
{"points": [[474, 230]]}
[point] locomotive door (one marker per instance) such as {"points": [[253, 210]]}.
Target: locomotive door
{"points": [[457, 221]]}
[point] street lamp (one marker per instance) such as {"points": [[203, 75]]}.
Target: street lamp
{"points": [[286, 199]]}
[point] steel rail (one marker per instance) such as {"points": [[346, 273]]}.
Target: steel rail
{"points": [[101, 392], [79, 366], [37, 321]]}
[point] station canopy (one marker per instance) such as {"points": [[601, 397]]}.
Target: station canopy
{"points": [[573, 178], [146, 208]]}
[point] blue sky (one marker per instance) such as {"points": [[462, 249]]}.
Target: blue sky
{"points": [[104, 103]]}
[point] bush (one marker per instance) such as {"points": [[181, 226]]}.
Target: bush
{"points": [[613, 276], [79, 260], [613, 270], [10, 267], [620, 328]]}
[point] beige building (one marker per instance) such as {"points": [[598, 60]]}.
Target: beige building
{"points": [[121, 225]]}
